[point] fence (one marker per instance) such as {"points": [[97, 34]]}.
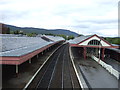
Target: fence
{"points": [[107, 67]]}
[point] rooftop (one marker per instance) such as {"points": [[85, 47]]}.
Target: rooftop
{"points": [[79, 39], [13, 45]]}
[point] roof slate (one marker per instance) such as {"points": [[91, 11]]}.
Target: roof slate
{"points": [[79, 39], [54, 38], [17, 46]]}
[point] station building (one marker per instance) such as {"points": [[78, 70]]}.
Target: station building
{"points": [[91, 45]]}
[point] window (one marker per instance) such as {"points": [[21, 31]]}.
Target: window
{"points": [[94, 42]]}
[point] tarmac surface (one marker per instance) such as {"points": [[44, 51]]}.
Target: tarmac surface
{"points": [[94, 75]]}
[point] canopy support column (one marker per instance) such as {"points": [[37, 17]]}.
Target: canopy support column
{"points": [[29, 60], [16, 70], [84, 54], [37, 56], [103, 51]]}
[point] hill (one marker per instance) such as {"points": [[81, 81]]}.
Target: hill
{"points": [[42, 31]]}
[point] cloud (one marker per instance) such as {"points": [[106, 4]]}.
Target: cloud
{"points": [[83, 16], [108, 32]]}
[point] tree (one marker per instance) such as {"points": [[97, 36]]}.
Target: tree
{"points": [[11, 32], [113, 40], [70, 37], [16, 32], [8, 31], [31, 34], [80, 35]]}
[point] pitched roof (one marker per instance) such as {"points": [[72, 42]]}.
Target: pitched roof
{"points": [[84, 41], [79, 39], [54, 38], [17, 46]]}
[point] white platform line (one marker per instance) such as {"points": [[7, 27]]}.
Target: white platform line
{"points": [[80, 81]]}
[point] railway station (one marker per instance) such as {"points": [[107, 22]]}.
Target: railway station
{"points": [[69, 64]]}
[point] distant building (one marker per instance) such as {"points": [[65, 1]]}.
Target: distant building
{"points": [[4, 29], [1, 25]]}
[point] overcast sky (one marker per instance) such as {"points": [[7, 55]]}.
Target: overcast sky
{"points": [[81, 16]]}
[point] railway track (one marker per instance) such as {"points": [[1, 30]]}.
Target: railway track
{"points": [[58, 72]]}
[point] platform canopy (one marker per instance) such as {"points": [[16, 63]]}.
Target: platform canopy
{"points": [[91, 41], [52, 38], [15, 49]]}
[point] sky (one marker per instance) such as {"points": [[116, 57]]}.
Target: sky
{"points": [[81, 16]]}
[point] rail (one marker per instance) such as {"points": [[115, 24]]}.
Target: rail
{"points": [[26, 86], [57, 72]]}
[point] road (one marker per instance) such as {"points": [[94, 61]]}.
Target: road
{"points": [[58, 72]]}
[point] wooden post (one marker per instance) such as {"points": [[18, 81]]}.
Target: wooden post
{"points": [[103, 51], [84, 53]]}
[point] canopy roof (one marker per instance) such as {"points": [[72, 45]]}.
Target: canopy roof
{"points": [[15, 49], [17, 46], [14, 45], [53, 38]]}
